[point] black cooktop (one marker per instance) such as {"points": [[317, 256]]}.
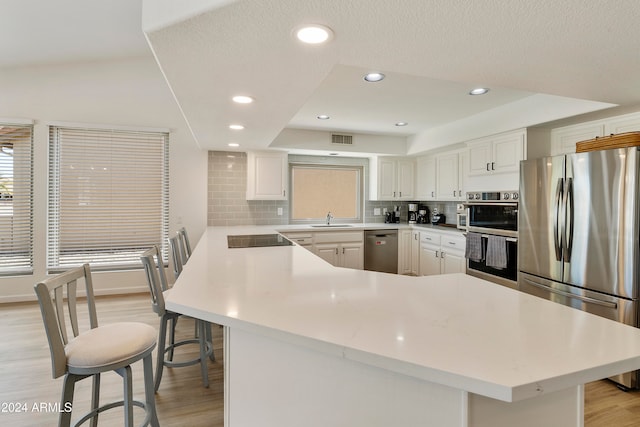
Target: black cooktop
{"points": [[257, 241]]}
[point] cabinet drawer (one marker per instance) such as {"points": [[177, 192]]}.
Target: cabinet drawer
{"points": [[300, 238], [430, 238], [338, 237], [455, 243]]}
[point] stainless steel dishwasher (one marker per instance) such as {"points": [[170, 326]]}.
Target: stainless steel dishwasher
{"points": [[381, 250]]}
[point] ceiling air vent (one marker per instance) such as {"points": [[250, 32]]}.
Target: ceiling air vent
{"points": [[342, 139]]}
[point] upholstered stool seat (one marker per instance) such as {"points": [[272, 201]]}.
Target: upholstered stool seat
{"points": [[109, 345]]}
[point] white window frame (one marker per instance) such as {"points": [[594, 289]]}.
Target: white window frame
{"points": [[115, 205]]}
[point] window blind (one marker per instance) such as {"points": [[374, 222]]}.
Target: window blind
{"points": [[16, 199], [108, 197]]}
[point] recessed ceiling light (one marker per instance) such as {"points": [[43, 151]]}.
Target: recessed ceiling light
{"points": [[314, 34], [236, 127], [233, 144], [242, 99], [323, 117], [374, 77], [479, 91], [402, 124]]}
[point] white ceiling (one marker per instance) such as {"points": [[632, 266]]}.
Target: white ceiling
{"points": [[432, 51]]}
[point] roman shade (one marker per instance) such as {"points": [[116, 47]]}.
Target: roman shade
{"points": [[108, 196]]}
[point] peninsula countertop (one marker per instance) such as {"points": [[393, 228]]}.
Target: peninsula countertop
{"points": [[454, 330]]}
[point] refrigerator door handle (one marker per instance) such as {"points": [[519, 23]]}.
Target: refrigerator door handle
{"points": [[556, 220], [569, 217], [574, 296]]}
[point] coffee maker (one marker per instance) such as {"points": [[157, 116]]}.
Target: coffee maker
{"points": [[413, 213], [423, 214]]}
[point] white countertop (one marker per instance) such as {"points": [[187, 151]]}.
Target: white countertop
{"points": [[363, 226], [455, 330]]}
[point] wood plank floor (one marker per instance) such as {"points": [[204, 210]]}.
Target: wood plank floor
{"points": [[25, 376], [25, 371]]}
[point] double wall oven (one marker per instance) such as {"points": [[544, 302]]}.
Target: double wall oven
{"points": [[493, 214]]}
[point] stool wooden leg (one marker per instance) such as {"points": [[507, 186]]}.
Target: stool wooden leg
{"points": [[149, 392], [162, 336], [202, 338], [212, 355], [67, 399], [127, 381], [95, 398]]}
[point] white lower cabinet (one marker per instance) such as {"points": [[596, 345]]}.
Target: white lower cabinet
{"points": [[340, 248], [441, 253], [408, 252]]}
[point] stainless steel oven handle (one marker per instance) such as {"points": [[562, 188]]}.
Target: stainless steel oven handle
{"points": [[570, 295]]}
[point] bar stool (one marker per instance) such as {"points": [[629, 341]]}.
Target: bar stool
{"points": [[185, 246], [157, 280], [177, 256], [95, 349]]}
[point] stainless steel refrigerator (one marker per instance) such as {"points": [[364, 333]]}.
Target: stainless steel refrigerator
{"points": [[578, 234]]}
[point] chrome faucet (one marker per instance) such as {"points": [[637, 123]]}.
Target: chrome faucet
{"points": [[329, 216]]}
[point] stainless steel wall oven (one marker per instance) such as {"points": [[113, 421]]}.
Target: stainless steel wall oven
{"points": [[491, 214]]}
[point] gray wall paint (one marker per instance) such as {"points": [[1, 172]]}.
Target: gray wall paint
{"points": [[226, 193]]}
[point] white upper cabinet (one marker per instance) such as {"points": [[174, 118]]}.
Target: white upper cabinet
{"points": [[426, 178], [441, 177], [448, 178], [497, 154], [563, 140], [392, 178], [267, 175]]}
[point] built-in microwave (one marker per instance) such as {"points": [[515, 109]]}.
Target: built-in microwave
{"points": [[492, 213], [461, 217]]}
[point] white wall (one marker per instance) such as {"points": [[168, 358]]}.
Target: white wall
{"points": [[128, 92]]}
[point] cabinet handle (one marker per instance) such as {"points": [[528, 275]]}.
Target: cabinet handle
{"points": [[437, 256], [441, 254], [400, 193], [415, 237], [433, 194], [284, 193], [493, 166], [342, 251], [487, 167], [336, 251]]}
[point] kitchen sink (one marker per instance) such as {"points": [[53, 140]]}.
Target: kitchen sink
{"points": [[331, 225]]}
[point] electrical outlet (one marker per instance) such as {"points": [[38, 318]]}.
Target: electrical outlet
{"points": [[376, 211], [279, 211]]}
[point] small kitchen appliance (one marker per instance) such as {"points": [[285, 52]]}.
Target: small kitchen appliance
{"points": [[437, 217], [423, 215], [413, 213]]}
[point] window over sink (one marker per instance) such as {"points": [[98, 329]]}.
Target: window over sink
{"points": [[319, 189]]}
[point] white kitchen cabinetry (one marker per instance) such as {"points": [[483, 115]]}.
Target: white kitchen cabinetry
{"points": [[426, 178], [304, 239], [450, 176], [409, 252], [340, 248], [441, 253], [442, 177], [267, 175], [563, 140], [497, 154], [392, 178]]}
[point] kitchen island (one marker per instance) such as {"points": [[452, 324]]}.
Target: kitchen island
{"points": [[310, 344]]}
